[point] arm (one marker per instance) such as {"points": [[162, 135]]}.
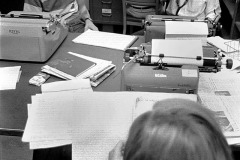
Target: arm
{"points": [[213, 10], [32, 6], [85, 16]]}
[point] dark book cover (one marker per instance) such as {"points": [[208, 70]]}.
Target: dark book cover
{"points": [[71, 64]]}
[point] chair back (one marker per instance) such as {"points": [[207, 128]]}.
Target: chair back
{"points": [[134, 11]]}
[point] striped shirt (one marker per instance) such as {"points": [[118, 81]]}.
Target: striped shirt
{"points": [[201, 9]]}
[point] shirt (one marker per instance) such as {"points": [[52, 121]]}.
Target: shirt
{"points": [[201, 9], [57, 7]]}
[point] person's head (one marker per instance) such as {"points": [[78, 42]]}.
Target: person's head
{"points": [[176, 130]]}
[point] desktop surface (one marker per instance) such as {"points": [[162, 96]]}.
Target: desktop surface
{"points": [[13, 103]]}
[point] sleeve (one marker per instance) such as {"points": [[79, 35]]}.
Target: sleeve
{"points": [[83, 10], [213, 10], [32, 5]]}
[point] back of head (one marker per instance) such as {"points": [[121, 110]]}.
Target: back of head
{"points": [[176, 130]]}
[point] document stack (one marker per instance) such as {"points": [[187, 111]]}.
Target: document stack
{"points": [[75, 66], [93, 122]]}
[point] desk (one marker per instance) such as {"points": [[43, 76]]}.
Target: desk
{"points": [[13, 103]]}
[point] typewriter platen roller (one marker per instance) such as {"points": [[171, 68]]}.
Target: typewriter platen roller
{"points": [[212, 59]]}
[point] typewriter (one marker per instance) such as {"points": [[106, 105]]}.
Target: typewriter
{"points": [[30, 36]]}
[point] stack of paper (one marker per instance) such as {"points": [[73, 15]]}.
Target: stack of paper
{"points": [[106, 39], [58, 94], [9, 77], [187, 30], [73, 65], [93, 122]]}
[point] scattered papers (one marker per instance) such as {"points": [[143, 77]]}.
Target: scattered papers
{"points": [[106, 39], [187, 30], [92, 120], [9, 77]]}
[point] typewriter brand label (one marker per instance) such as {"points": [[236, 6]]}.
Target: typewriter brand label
{"points": [[160, 75], [107, 11], [14, 31]]}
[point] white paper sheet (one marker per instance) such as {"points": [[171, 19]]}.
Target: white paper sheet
{"points": [[105, 39], [177, 52], [9, 77], [183, 30], [77, 84]]}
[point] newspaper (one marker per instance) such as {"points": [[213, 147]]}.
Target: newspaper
{"points": [[220, 92]]}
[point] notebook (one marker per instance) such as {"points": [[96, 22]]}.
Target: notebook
{"points": [[69, 66], [106, 39]]}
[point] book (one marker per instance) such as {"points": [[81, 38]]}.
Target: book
{"points": [[69, 66], [106, 39]]}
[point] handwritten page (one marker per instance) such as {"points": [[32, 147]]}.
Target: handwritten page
{"points": [[112, 117], [50, 116], [177, 52], [106, 39], [9, 77], [94, 119]]}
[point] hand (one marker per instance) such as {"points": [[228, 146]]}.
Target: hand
{"points": [[89, 25], [117, 152]]}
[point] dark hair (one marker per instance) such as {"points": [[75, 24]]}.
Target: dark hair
{"points": [[176, 129]]}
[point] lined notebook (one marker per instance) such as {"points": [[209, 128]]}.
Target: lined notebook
{"points": [[106, 39], [70, 65]]}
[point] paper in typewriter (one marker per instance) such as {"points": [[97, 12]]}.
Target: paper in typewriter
{"points": [[177, 52], [187, 30]]}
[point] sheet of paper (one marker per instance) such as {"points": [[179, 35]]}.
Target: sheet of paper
{"points": [[177, 52], [9, 77], [220, 93], [187, 28], [220, 43], [106, 39], [187, 31], [50, 116], [49, 144], [77, 84]]}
